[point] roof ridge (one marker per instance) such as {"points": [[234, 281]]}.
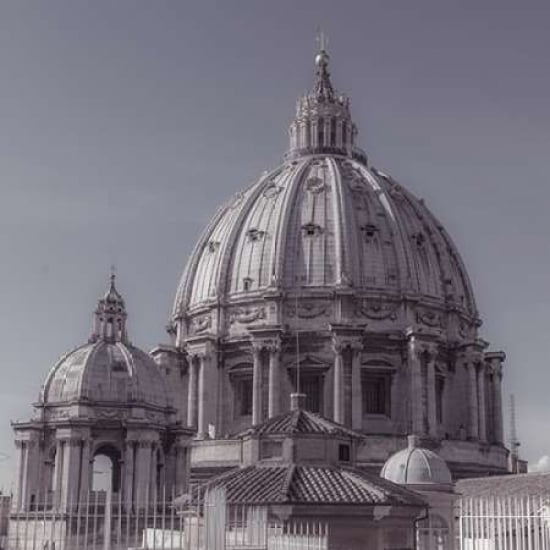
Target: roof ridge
{"points": [[285, 489]]}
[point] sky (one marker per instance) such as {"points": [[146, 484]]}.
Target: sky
{"points": [[124, 125]]}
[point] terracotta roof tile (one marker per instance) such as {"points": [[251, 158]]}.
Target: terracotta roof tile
{"points": [[305, 484], [299, 421]]}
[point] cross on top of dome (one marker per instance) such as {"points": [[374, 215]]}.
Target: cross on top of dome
{"points": [[323, 121]]}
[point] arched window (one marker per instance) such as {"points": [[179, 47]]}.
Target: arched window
{"points": [[106, 469]]}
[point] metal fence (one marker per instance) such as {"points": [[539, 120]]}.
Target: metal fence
{"points": [[103, 522], [504, 523]]}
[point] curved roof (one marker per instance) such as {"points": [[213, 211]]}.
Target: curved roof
{"points": [[416, 466], [304, 484], [340, 222], [106, 372]]}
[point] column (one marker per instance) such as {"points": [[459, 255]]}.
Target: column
{"points": [[415, 387], [481, 402], [432, 412], [129, 473], [356, 389], [192, 393], [472, 389], [257, 384], [202, 428], [71, 471], [58, 472], [497, 389], [142, 475], [274, 396], [85, 469], [338, 413], [181, 468], [18, 495]]}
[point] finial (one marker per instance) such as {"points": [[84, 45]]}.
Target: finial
{"points": [[112, 277], [322, 58]]}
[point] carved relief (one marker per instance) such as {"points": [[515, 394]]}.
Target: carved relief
{"points": [[110, 413], [245, 315], [429, 317], [315, 185], [309, 309], [272, 190], [377, 309], [200, 324]]}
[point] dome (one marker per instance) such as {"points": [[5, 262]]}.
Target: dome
{"points": [[416, 466], [320, 222], [328, 277], [324, 219], [108, 373], [108, 369]]}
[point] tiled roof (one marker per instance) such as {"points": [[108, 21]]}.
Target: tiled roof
{"points": [[534, 484], [305, 484], [299, 421]]}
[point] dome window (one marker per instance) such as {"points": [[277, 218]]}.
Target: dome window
{"points": [[254, 234], [419, 239], [247, 284], [369, 230], [213, 246], [312, 229]]}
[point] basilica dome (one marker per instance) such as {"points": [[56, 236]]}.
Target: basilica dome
{"points": [[108, 369], [327, 277], [324, 219]]}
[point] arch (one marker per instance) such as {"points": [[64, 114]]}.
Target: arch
{"points": [[106, 469]]}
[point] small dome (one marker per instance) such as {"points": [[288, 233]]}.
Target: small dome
{"points": [[106, 372], [108, 369], [416, 466]]}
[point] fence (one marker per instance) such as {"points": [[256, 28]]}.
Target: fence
{"points": [[504, 523], [103, 522]]}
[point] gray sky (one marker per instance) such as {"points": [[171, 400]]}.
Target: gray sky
{"points": [[123, 125]]}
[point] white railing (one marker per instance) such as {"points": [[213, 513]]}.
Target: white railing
{"points": [[504, 523], [104, 522]]}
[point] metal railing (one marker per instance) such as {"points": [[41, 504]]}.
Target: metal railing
{"points": [[103, 521], [504, 523]]}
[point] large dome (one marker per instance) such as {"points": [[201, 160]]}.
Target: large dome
{"points": [[328, 277], [323, 222]]}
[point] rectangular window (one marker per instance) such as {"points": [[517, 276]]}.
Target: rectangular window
{"points": [[311, 385], [376, 393], [243, 395], [343, 453], [439, 386]]}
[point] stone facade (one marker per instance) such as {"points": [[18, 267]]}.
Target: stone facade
{"points": [[328, 277]]}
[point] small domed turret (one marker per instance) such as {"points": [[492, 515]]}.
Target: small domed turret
{"points": [[417, 466]]}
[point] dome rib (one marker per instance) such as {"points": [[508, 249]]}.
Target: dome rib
{"points": [[352, 225]]}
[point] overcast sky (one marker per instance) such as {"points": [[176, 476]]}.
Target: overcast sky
{"points": [[124, 124]]}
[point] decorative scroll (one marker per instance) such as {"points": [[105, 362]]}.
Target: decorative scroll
{"points": [[377, 309], [202, 323], [272, 190], [429, 318], [309, 310], [315, 185], [246, 315]]}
